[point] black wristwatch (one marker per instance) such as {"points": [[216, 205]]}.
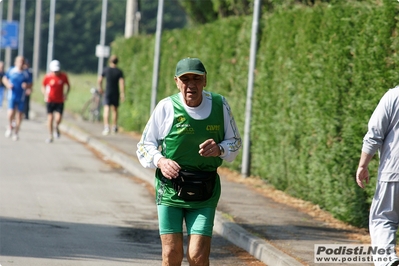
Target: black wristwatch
{"points": [[221, 150]]}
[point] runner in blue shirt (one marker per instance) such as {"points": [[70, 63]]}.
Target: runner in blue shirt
{"points": [[16, 80]]}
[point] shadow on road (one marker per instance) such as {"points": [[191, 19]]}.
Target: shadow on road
{"points": [[52, 239]]}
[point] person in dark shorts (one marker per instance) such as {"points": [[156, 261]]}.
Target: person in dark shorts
{"points": [[55, 87], [114, 90], [28, 90], [2, 87]]}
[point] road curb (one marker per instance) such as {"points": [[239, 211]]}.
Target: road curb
{"points": [[240, 237]]}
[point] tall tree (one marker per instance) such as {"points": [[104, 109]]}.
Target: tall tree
{"points": [[205, 11], [199, 12], [77, 28], [174, 15], [77, 23]]}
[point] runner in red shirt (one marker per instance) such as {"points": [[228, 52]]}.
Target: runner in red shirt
{"points": [[55, 87]]}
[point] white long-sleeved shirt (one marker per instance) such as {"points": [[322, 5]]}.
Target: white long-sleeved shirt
{"points": [[383, 135], [160, 124]]}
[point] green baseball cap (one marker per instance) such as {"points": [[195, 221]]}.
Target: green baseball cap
{"points": [[190, 66]]}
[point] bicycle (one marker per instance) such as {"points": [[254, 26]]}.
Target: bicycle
{"points": [[91, 109]]}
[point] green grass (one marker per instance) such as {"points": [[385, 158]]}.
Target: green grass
{"points": [[79, 94]]}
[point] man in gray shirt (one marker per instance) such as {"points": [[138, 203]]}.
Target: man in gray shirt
{"points": [[383, 136]]}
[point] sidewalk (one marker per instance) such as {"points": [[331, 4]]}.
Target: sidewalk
{"points": [[273, 232]]}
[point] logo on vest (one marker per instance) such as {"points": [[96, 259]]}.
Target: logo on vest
{"points": [[213, 128], [183, 128], [181, 119]]}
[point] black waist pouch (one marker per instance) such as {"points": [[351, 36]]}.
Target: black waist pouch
{"points": [[194, 185]]}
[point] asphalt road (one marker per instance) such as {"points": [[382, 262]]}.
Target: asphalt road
{"points": [[60, 204]]}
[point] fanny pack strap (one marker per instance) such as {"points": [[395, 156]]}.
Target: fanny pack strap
{"points": [[197, 174]]}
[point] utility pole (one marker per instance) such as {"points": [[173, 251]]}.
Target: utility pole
{"points": [[50, 45], [157, 52], [36, 44], [132, 18], [248, 105], [102, 37], [10, 10], [21, 35], [137, 17]]}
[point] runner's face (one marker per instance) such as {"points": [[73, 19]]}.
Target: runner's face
{"points": [[19, 62], [191, 87]]}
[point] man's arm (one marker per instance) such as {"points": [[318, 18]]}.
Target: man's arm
{"points": [[362, 173], [44, 88], [6, 82], [100, 84], [29, 83], [68, 87], [374, 138], [122, 88], [232, 139], [157, 127]]}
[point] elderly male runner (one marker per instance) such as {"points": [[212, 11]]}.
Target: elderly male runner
{"points": [[196, 132]]}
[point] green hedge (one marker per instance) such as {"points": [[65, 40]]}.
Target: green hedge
{"points": [[320, 73]]}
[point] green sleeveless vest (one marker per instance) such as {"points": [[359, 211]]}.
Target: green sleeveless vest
{"points": [[182, 145]]}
